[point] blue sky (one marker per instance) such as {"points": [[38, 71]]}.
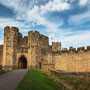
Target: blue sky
{"points": [[66, 21]]}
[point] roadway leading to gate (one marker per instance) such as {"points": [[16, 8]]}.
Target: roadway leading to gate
{"points": [[10, 80]]}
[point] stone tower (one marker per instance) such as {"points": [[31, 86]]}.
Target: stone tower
{"points": [[23, 52], [36, 42], [32, 51], [56, 46], [9, 48]]}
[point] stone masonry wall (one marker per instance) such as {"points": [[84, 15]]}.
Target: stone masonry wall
{"points": [[73, 61], [1, 54], [39, 53]]}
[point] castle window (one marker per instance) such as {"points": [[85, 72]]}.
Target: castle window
{"points": [[23, 45], [9, 43]]}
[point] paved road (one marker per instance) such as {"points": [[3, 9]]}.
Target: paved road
{"points": [[10, 80]]}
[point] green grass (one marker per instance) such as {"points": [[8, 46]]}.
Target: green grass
{"points": [[37, 80]]}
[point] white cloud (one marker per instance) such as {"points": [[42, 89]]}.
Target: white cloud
{"points": [[55, 5], [83, 2], [37, 17], [11, 22], [32, 12], [76, 39], [79, 18]]}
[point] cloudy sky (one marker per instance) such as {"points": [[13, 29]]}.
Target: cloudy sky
{"points": [[66, 21]]}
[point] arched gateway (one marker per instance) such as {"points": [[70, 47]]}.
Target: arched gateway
{"points": [[22, 62]]}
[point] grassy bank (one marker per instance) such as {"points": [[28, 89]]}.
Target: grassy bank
{"points": [[77, 81], [37, 80]]}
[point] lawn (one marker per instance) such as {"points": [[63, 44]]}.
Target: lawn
{"points": [[37, 80]]}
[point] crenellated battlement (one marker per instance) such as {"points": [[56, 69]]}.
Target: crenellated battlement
{"points": [[71, 49], [35, 38], [15, 29], [1, 46], [35, 49], [8, 29], [64, 50], [88, 48], [75, 50], [56, 46]]}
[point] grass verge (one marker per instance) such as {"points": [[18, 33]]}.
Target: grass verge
{"points": [[37, 80]]}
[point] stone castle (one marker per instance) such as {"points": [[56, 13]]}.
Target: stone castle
{"points": [[34, 51]]}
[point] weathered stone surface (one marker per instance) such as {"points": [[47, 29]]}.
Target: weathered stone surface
{"points": [[39, 54], [1, 55]]}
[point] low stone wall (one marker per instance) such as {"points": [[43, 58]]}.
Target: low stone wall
{"points": [[45, 67], [1, 55]]}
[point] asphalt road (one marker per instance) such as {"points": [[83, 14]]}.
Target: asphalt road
{"points": [[10, 80]]}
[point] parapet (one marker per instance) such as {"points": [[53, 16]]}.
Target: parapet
{"points": [[14, 29], [71, 49], [81, 49], [8, 29], [37, 33], [20, 35], [74, 50], [42, 36], [44, 40], [1, 46], [56, 46], [35, 38], [88, 47], [30, 33], [25, 37], [54, 43], [64, 50]]}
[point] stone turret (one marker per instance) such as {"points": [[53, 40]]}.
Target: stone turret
{"points": [[64, 50], [56, 46], [88, 47], [37, 42], [80, 49], [71, 49], [10, 45]]}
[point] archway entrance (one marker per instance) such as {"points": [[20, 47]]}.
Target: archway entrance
{"points": [[22, 63], [40, 65]]}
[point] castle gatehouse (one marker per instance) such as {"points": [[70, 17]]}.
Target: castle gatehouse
{"points": [[34, 51]]}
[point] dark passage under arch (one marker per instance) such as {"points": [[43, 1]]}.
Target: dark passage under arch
{"points": [[22, 63]]}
